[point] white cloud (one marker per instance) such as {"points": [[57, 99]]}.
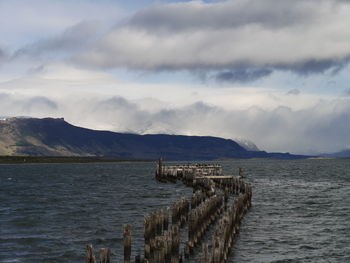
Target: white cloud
{"points": [[19, 105], [302, 35], [273, 120], [73, 39], [69, 74]]}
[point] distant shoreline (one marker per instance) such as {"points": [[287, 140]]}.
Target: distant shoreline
{"points": [[64, 160], [94, 159]]}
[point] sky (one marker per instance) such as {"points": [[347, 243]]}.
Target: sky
{"points": [[274, 72]]}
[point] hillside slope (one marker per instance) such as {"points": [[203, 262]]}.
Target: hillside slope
{"points": [[56, 137]]}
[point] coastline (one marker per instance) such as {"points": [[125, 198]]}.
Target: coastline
{"points": [[65, 160]]}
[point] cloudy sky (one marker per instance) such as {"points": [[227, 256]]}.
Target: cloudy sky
{"points": [[272, 71]]}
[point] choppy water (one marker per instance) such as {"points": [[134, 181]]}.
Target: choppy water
{"points": [[48, 213]]}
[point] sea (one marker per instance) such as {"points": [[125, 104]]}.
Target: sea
{"points": [[50, 212]]}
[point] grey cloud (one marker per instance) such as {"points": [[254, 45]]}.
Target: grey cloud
{"points": [[331, 83], [3, 97], [324, 127], [302, 36], [243, 75], [119, 113], [293, 92], [219, 15], [73, 39], [312, 66], [40, 106], [116, 103], [3, 56]]}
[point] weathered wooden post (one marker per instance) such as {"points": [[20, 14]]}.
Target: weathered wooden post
{"points": [[159, 222], [205, 254], [127, 243], [241, 172], [90, 255], [105, 255], [165, 219], [147, 236], [138, 256], [226, 196], [160, 168], [102, 255], [158, 250], [216, 250], [175, 243], [167, 246]]}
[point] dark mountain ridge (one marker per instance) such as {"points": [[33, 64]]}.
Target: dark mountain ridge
{"points": [[56, 137]]}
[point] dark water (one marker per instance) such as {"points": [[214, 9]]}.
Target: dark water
{"points": [[48, 213]]}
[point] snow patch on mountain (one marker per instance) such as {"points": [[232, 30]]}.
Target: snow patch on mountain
{"points": [[247, 144]]}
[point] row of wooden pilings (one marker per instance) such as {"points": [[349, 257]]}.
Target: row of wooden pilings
{"points": [[227, 229], [200, 218], [209, 202]]}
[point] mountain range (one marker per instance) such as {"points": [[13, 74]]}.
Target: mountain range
{"points": [[56, 137], [341, 154]]}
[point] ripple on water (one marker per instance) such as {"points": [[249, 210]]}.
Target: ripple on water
{"points": [[48, 213]]}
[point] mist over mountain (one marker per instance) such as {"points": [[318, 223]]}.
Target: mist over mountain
{"points": [[341, 154], [56, 137], [247, 144]]}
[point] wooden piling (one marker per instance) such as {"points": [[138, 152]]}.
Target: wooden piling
{"points": [[240, 172], [216, 198], [205, 254], [165, 219], [138, 258], [159, 256], [147, 237], [180, 211], [105, 255], [127, 243], [160, 168], [90, 255], [175, 243]]}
